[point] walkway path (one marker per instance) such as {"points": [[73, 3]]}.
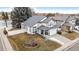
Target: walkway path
{"points": [[1, 46], [16, 32], [60, 38], [5, 45]]}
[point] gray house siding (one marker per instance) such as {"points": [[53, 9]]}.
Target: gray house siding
{"points": [[77, 22]]}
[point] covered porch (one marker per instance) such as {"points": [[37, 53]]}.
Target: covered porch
{"points": [[44, 31]]}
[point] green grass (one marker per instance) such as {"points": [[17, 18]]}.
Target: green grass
{"points": [[18, 40]]}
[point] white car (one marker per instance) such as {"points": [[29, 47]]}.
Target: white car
{"points": [[77, 28]]}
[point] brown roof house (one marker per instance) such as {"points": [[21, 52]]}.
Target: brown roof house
{"points": [[69, 24]]}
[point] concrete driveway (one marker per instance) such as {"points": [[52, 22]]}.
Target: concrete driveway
{"points": [[60, 39]]}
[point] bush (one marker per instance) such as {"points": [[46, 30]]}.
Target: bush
{"points": [[70, 31], [59, 32], [5, 31]]}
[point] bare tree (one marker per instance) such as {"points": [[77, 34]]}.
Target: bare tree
{"points": [[50, 14], [5, 17]]}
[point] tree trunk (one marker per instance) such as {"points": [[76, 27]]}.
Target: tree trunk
{"points": [[6, 23], [19, 25]]}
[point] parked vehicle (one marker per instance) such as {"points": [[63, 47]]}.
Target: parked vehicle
{"points": [[77, 28]]}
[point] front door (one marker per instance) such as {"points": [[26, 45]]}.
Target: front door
{"points": [[68, 28], [42, 31], [46, 32]]}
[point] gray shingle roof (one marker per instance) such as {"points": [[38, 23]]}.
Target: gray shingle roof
{"points": [[48, 28], [68, 24], [33, 20], [59, 23], [71, 18]]}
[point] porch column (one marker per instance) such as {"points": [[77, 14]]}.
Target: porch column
{"points": [[46, 38], [38, 31], [44, 33]]}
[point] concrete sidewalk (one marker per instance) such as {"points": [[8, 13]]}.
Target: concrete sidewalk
{"points": [[5, 44], [14, 32], [70, 46], [1, 46], [75, 47]]}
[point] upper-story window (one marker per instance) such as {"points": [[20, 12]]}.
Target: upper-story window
{"points": [[72, 22], [51, 24]]}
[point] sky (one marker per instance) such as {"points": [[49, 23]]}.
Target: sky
{"points": [[57, 9], [5, 9], [67, 10]]}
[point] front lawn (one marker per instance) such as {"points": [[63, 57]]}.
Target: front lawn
{"points": [[18, 40], [71, 36]]}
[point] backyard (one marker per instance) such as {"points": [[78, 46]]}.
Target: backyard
{"points": [[18, 43]]}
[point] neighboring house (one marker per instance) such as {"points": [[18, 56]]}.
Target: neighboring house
{"points": [[60, 20], [77, 23], [69, 23]]}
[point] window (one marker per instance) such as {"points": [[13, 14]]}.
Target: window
{"points": [[51, 24], [42, 31], [34, 29], [77, 22]]}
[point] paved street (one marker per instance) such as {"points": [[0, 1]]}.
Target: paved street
{"points": [[4, 43], [1, 47], [2, 25], [74, 47]]}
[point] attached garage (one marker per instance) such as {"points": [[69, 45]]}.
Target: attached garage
{"points": [[53, 31], [43, 30]]}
